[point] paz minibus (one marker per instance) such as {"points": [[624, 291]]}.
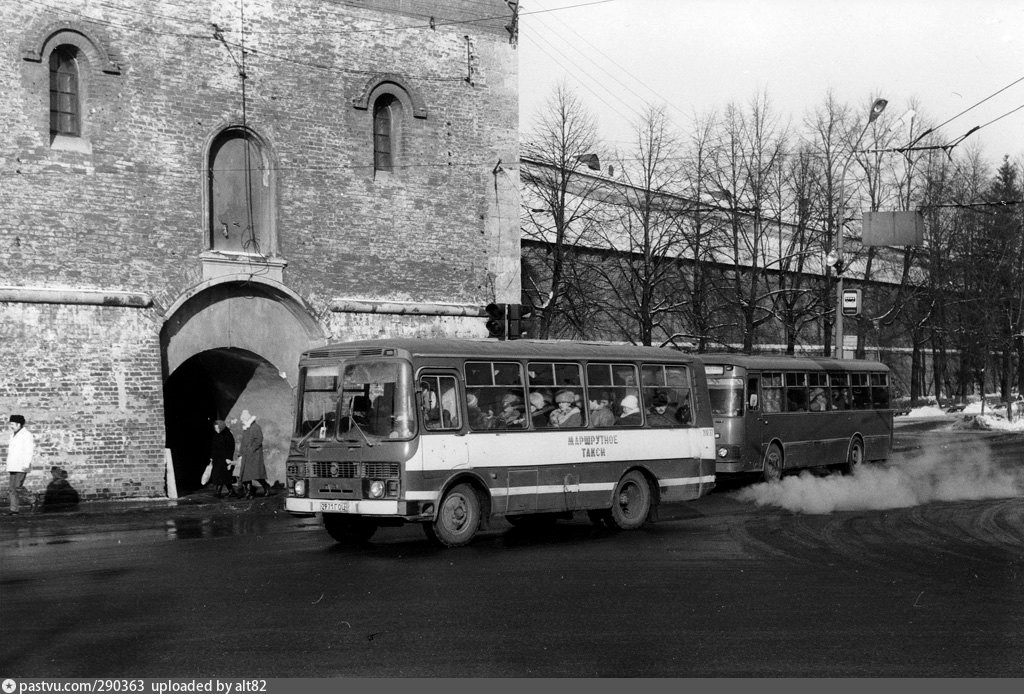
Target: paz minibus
{"points": [[451, 433]]}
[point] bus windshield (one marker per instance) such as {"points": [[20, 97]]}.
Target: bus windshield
{"points": [[371, 399], [726, 396]]}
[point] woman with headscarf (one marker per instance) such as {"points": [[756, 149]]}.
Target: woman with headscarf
{"points": [[251, 467]]}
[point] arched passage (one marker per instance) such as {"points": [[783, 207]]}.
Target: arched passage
{"points": [[229, 346]]}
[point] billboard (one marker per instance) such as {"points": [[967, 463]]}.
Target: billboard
{"points": [[893, 228]]}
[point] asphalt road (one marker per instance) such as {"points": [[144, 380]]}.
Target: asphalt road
{"points": [[717, 587]]}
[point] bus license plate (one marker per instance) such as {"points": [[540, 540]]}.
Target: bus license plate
{"points": [[338, 507]]}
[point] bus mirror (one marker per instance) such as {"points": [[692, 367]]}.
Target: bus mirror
{"points": [[753, 401]]}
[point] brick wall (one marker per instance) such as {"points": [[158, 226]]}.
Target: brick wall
{"points": [[124, 208]]}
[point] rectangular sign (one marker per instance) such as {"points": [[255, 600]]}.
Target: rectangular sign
{"points": [[851, 302]]}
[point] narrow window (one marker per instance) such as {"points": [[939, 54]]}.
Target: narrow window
{"points": [[64, 102], [387, 114]]}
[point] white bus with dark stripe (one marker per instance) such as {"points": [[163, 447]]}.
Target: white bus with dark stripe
{"points": [[441, 432]]}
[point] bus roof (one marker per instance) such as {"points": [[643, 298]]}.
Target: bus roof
{"points": [[485, 348], [770, 362]]}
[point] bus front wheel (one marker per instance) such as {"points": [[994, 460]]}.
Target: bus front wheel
{"points": [[343, 528], [631, 503], [773, 463], [458, 517]]}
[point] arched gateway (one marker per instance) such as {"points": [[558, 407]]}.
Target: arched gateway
{"points": [[232, 344]]}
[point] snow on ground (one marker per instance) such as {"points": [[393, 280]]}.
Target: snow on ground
{"points": [[971, 417]]}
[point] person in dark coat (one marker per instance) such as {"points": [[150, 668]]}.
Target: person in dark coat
{"points": [[222, 452], [251, 468]]}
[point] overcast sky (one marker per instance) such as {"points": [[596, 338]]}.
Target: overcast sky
{"points": [[700, 55]]}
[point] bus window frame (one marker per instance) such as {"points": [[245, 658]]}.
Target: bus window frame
{"points": [[458, 416]]}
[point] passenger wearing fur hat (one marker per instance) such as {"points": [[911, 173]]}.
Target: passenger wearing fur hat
{"points": [[477, 419], [659, 415], [540, 409], [511, 415], [630, 408], [20, 450], [568, 413]]}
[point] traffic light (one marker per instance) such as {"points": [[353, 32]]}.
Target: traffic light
{"points": [[519, 321], [497, 320]]}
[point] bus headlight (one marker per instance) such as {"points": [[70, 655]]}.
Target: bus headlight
{"points": [[376, 490], [300, 488]]}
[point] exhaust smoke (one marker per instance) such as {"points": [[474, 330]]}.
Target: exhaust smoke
{"points": [[957, 474]]}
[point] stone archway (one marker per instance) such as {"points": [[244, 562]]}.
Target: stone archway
{"points": [[229, 345]]}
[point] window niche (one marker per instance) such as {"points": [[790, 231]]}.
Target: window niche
{"points": [[240, 207]]}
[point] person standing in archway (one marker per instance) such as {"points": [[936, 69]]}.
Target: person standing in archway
{"points": [[251, 466], [222, 451]]}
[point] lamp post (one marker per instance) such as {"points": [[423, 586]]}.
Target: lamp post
{"points": [[876, 109]]}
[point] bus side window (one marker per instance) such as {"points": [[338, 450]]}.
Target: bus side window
{"points": [[439, 406], [771, 392], [861, 391], [796, 392]]}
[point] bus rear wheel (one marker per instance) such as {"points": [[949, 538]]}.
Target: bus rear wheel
{"points": [[773, 463], [631, 502], [348, 529], [458, 517], [854, 458]]}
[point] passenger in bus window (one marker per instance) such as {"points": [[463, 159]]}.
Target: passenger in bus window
{"points": [[511, 415], [435, 417], [600, 410], [540, 409], [477, 419], [818, 403], [658, 415], [568, 413], [630, 408], [840, 399]]}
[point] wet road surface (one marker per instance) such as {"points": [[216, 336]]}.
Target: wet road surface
{"points": [[718, 587]]}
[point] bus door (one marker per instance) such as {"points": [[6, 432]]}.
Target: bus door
{"points": [[756, 421], [770, 415], [443, 442]]}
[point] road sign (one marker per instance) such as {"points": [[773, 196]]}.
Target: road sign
{"points": [[851, 302]]}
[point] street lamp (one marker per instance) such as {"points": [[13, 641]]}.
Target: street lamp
{"points": [[876, 110]]}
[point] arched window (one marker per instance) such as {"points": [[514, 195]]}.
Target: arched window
{"points": [[387, 124], [65, 113], [241, 185]]}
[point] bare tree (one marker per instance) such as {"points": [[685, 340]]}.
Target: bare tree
{"points": [[750, 148], [639, 284], [559, 203]]}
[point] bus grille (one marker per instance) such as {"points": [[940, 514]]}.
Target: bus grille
{"points": [[347, 470], [345, 352]]}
